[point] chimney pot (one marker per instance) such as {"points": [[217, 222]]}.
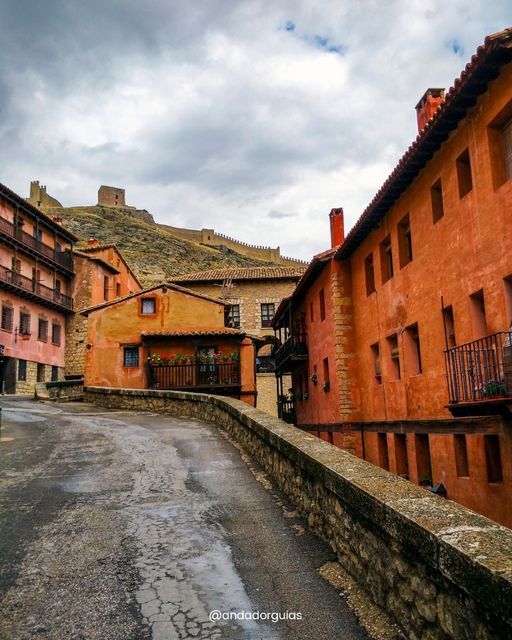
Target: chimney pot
{"points": [[337, 227], [93, 242], [428, 105]]}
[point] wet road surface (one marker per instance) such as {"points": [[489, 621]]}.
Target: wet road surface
{"points": [[125, 525]]}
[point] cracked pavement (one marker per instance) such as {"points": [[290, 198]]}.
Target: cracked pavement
{"points": [[125, 525]]}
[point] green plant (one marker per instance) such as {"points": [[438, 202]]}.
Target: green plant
{"points": [[326, 386], [305, 395], [314, 378], [299, 395], [494, 388]]}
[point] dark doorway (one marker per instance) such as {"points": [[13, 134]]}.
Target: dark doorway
{"points": [[7, 374]]}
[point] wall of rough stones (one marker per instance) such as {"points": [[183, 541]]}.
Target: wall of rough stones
{"points": [[441, 571]]}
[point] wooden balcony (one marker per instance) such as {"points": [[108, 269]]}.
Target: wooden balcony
{"points": [[286, 410], [35, 246], [34, 290], [220, 378], [293, 350], [480, 376]]}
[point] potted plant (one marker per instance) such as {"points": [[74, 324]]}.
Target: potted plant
{"points": [[305, 395], [326, 386], [314, 378]]}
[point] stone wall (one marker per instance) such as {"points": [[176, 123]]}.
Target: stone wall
{"points": [[441, 571], [27, 386], [267, 391]]}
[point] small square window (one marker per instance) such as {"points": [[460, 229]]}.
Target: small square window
{"points": [[464, 176], [386, 259], [55, 374], [369, 274], [148, 306], [233, 319], [131, 356], [267, 313], [322, 305]]}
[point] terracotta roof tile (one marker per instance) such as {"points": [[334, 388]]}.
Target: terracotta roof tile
{"points": [[193, 332], [247, 273]]}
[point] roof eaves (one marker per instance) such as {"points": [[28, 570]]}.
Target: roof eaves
{"points": [[483, 66]]}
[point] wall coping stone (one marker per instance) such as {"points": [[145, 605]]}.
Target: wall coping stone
{"points": [[466, 548]]}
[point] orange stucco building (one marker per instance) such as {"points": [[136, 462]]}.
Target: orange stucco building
{"points": [[36, 273], [168, 337], [407, 317], [101, 275]]}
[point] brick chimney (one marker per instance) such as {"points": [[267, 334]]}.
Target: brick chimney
{"points": [[93, 242], [337, 227], [428, 105]]}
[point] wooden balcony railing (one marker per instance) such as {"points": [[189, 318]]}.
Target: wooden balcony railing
{"points": [[480, 370], [62, 258], [36, 288], [187, 376], [295, 345]]}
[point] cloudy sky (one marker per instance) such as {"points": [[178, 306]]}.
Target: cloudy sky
{"points": [[251, 117]]}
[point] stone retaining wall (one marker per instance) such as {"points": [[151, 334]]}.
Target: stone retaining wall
{"points": [[440, 570], [62, 390]]}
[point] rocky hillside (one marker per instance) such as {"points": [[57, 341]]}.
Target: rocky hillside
{"points": [[153, 252]]}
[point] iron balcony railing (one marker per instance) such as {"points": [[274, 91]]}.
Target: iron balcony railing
{"points": [[62, 258], [295, 345], [183, 376], [28, 284], [286, 410], [480, 370]]}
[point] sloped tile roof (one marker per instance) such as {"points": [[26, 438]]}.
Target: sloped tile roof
{"points": [[193, 332], [247, 273]]}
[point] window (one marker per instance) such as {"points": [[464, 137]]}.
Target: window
{"points": [[131, 356], [148, 306], [105, 287], [55, 374], [24, 323], [493, 458], [376, 362], [37, 233], [507, 283], [401, 460], [394, 357], [118, 289], [311, 312], [424, 467], [267, 313], [41, 370], [386, 259], [477, 314], [322, 305], [22, 370], [382, 446], [15, 265], [234, 316], [461, 455], [404, 241], [55, 333], [369, 274], [42, 330], [327, 379], [436, 198], [500, 146], [58, 286], [7, 317], [449, 327], [464, 174], [412, 353]]}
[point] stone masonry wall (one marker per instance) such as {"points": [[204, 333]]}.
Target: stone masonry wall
{"points": [[27, 387], [267, 392], [441, 571]]}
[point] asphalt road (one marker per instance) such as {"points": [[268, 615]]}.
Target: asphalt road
{"points": [[124, 525]]}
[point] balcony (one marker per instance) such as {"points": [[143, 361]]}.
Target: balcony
{"points": [[220, 378], [34, 290], [294, 349], [286, 410], [62, 258], [480, 376]]}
